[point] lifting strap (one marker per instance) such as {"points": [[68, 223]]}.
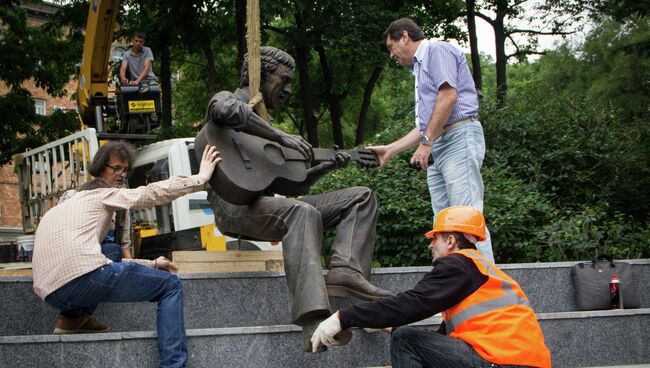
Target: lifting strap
{"points": [[254, 58]]}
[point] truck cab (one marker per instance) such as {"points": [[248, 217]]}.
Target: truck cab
{"points": [[176, 157], [159, 161]]}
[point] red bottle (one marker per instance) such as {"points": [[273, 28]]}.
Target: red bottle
{"points": [[615, 292]]}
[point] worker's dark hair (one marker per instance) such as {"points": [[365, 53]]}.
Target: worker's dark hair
{"points": [[118, 149], [463, 243], [271, 57], [396, 29], [139, 35]]}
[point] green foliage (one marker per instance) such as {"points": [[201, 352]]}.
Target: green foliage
{"points": [[593, 230], [567, 170], [40, 53], [609, 52], [513, 209], [404, 205], [191, 94], [572, 141]]}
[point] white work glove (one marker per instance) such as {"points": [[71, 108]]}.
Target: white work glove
{"points": [[325, 332], [209, 161]]}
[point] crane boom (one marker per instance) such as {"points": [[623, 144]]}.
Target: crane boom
{"points": [[92, 91]]}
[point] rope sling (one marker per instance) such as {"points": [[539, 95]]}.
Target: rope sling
{"points": [[254, 58]]}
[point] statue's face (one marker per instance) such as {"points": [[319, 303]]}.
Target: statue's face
{"points": [[277, 87]]}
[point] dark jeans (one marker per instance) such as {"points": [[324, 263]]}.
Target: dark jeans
{"points": [[112, 251], [412, 347], [299, 224], [131, 282]]}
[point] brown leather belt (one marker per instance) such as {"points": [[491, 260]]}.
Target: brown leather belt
{"points": [[457, 123]]}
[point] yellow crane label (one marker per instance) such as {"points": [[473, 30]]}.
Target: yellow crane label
{"points": [[142, 106]]}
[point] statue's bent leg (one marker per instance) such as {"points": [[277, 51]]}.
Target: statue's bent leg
{"points": [[299, 226]]}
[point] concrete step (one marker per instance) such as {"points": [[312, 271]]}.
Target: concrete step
{"points": [[576, 339], [214, 300]]}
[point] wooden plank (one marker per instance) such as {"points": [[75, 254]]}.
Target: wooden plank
{"points": [[14, 272], [228, 256], [16, 269], [274, 265], [244, 266]]}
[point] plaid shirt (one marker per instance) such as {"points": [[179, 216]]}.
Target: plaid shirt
{"points": [[68, 237]]}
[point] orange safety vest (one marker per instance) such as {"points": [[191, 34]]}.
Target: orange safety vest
{"points": [[497, 320]]}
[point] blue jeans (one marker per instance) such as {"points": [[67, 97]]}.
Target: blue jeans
{"points": [[131, 282], [455, 179], [416, 348], [112, 251]]}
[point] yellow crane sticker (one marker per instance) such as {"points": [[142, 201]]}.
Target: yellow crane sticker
{"points": [[142, 106]]}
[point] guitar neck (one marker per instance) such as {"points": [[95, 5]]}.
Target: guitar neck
{"points": [[325, 154], [320, 154]]}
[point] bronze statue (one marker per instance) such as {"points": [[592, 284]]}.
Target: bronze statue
{"points": [[299, 221]]}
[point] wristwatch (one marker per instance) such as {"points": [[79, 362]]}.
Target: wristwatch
{"points": [[426, 140]]}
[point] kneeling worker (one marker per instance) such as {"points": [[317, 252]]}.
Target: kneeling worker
{"points": [[487, 319]]}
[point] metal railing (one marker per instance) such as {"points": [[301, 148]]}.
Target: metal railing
{"points": [[44, 173]]}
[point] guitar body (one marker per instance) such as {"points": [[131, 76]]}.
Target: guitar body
{"points": [[252, 165]]}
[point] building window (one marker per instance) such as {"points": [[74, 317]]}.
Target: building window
{"points": [[40, 107]]}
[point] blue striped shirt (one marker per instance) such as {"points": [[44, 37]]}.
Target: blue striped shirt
{"points": [[434, 64]]}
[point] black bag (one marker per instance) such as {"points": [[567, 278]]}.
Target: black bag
{"points": [[591, 283]]}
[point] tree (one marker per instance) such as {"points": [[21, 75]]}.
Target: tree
{"points": [[504, 15], [43, 54], [476, 58], [619, 10], [339, 45]]}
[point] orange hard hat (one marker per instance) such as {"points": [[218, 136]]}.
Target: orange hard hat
{"points": [[463, 219]]}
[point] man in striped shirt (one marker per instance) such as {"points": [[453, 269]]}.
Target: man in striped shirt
{"points": [[447, 130]]}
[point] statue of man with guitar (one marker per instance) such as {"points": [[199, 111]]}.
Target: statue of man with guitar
{"points": [[260, 161]]}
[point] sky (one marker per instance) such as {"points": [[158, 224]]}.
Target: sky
{"points": [[485, 35], [485, 38]]}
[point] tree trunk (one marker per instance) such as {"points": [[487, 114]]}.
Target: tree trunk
{"points": [[213, 79], [476, 58], [240, 20], [166, 85], [306, 96], [333, 101], [502, 61], [365, 104]]}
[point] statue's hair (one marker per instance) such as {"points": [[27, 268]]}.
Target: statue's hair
{"points": [[271, 57]]}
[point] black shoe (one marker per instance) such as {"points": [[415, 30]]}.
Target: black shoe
{"points": [[346, 282]]}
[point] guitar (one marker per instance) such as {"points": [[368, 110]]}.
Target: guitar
{"points": [[252, 165]]}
